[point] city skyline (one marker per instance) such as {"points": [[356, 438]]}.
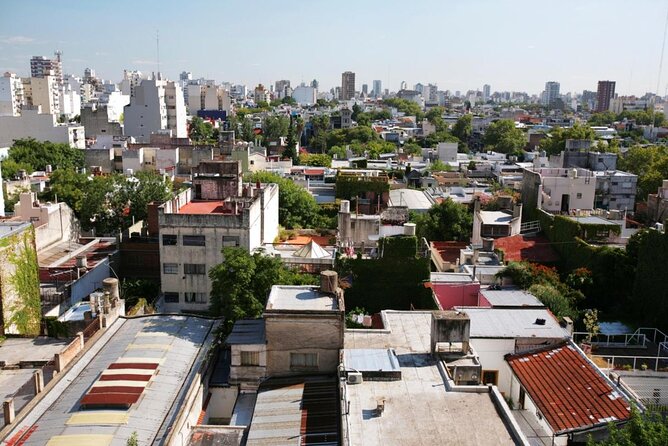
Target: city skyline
{"points": [[509, 45]]}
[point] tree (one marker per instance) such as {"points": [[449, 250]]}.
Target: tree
{"points": [[288, 100], [291, 143], [201, 131], [463, 128], [69, 186], [144, 188], [447, 220], [504, 137], [433, 139], [555, 143], [647, 429], [320, 125], [275, 127], [650, 163], [407, 107], [31, 155], [315, 159], [241, 284], [411, 148], [435, 116], [296, 206]]}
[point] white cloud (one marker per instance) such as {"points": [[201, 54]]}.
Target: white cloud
{"points": [[16, 40]]}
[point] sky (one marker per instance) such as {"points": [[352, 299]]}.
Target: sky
{"points": [[513, 45]]}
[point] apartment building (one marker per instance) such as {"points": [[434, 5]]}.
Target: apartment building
{"points": [[218, 211]]}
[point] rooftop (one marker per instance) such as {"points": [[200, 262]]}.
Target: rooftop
{"points": [[521, 247], [300, 298], [570, 392], [510, 297], [513, 323], [495, 217], [205, 207], [413, 199], [172, 342], [7, 228], [247, 332], [302, 412], [418, 409], [592, 220]]}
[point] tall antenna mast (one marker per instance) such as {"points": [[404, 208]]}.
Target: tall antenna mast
{"points": [[157, 44]]}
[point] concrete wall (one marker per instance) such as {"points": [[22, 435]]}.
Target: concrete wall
{"points": [[451, 295], [221, 404], [239, 373], [303, 334], [42, 127], [96, 123], [103, 158], [491, 353], [90, 281]]}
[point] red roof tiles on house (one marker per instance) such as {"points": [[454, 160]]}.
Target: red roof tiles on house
{"points": [[533, 249], [567, 389]]}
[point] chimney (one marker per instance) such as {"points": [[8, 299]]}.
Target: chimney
{"points": [[450, 327], [329, 281], [476, 205], [152, 219]]}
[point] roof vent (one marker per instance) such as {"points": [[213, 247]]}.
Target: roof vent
{"points": [[540, 321]]}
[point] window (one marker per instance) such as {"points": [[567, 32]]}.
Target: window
{"points": [[194, 268], [230, 241], [171, 298], [250, 358], [490, 377], [198, 298], [169, 239], [579, 195], [303, 360], [194, 240], [170, 268]]}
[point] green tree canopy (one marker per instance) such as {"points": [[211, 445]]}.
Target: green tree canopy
{"points": [[463, 128], [650, 163], [446, 221], [647, 429], [202, 132], [315, 159], [274, 127], [504, 137], [296, 206], [241, 284], [405, 106], [555, 143], [31, 155]]}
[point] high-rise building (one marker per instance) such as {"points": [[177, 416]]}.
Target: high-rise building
{"points": [[315, 84], [605, 92], [42, 92], [156, 105], [185, 76], [282, 88], [377, 88], [551, 93], [41, 67], [430, 93], [11, 95], [365, 89], [347, 85], [486, 92]]}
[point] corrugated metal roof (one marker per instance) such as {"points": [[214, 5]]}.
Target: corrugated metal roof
{"points": [[371, 359], [511, 297], [247, 332], [567, 389]]}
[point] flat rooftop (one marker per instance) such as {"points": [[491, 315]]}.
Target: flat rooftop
{"points": [[594, 220], [510, 297], [495, 218], [204, 207], [418, 409], [300, 298], [513, 323], [7, 228], [173, 342], [39, 349]]}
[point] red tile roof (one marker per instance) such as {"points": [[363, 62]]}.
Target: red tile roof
{"points": [[204, 207], [520, 247], [567, 389]]}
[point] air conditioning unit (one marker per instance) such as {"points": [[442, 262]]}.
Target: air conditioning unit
{"points": [[355, 378]]}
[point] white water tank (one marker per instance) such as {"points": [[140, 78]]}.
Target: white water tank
{"points": [[409, 228]]}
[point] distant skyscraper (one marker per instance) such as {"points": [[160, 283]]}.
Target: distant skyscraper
{"points": [[551, 93], [605, 92], [185, 76], [377, 88], [365, 89], [315, 84], [282, 88], [41, 67], [486, 92], [347, 85]]}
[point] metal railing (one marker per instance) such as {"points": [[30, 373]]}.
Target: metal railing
{"points": [[612, 340], [656, 335], [655, 363]]}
